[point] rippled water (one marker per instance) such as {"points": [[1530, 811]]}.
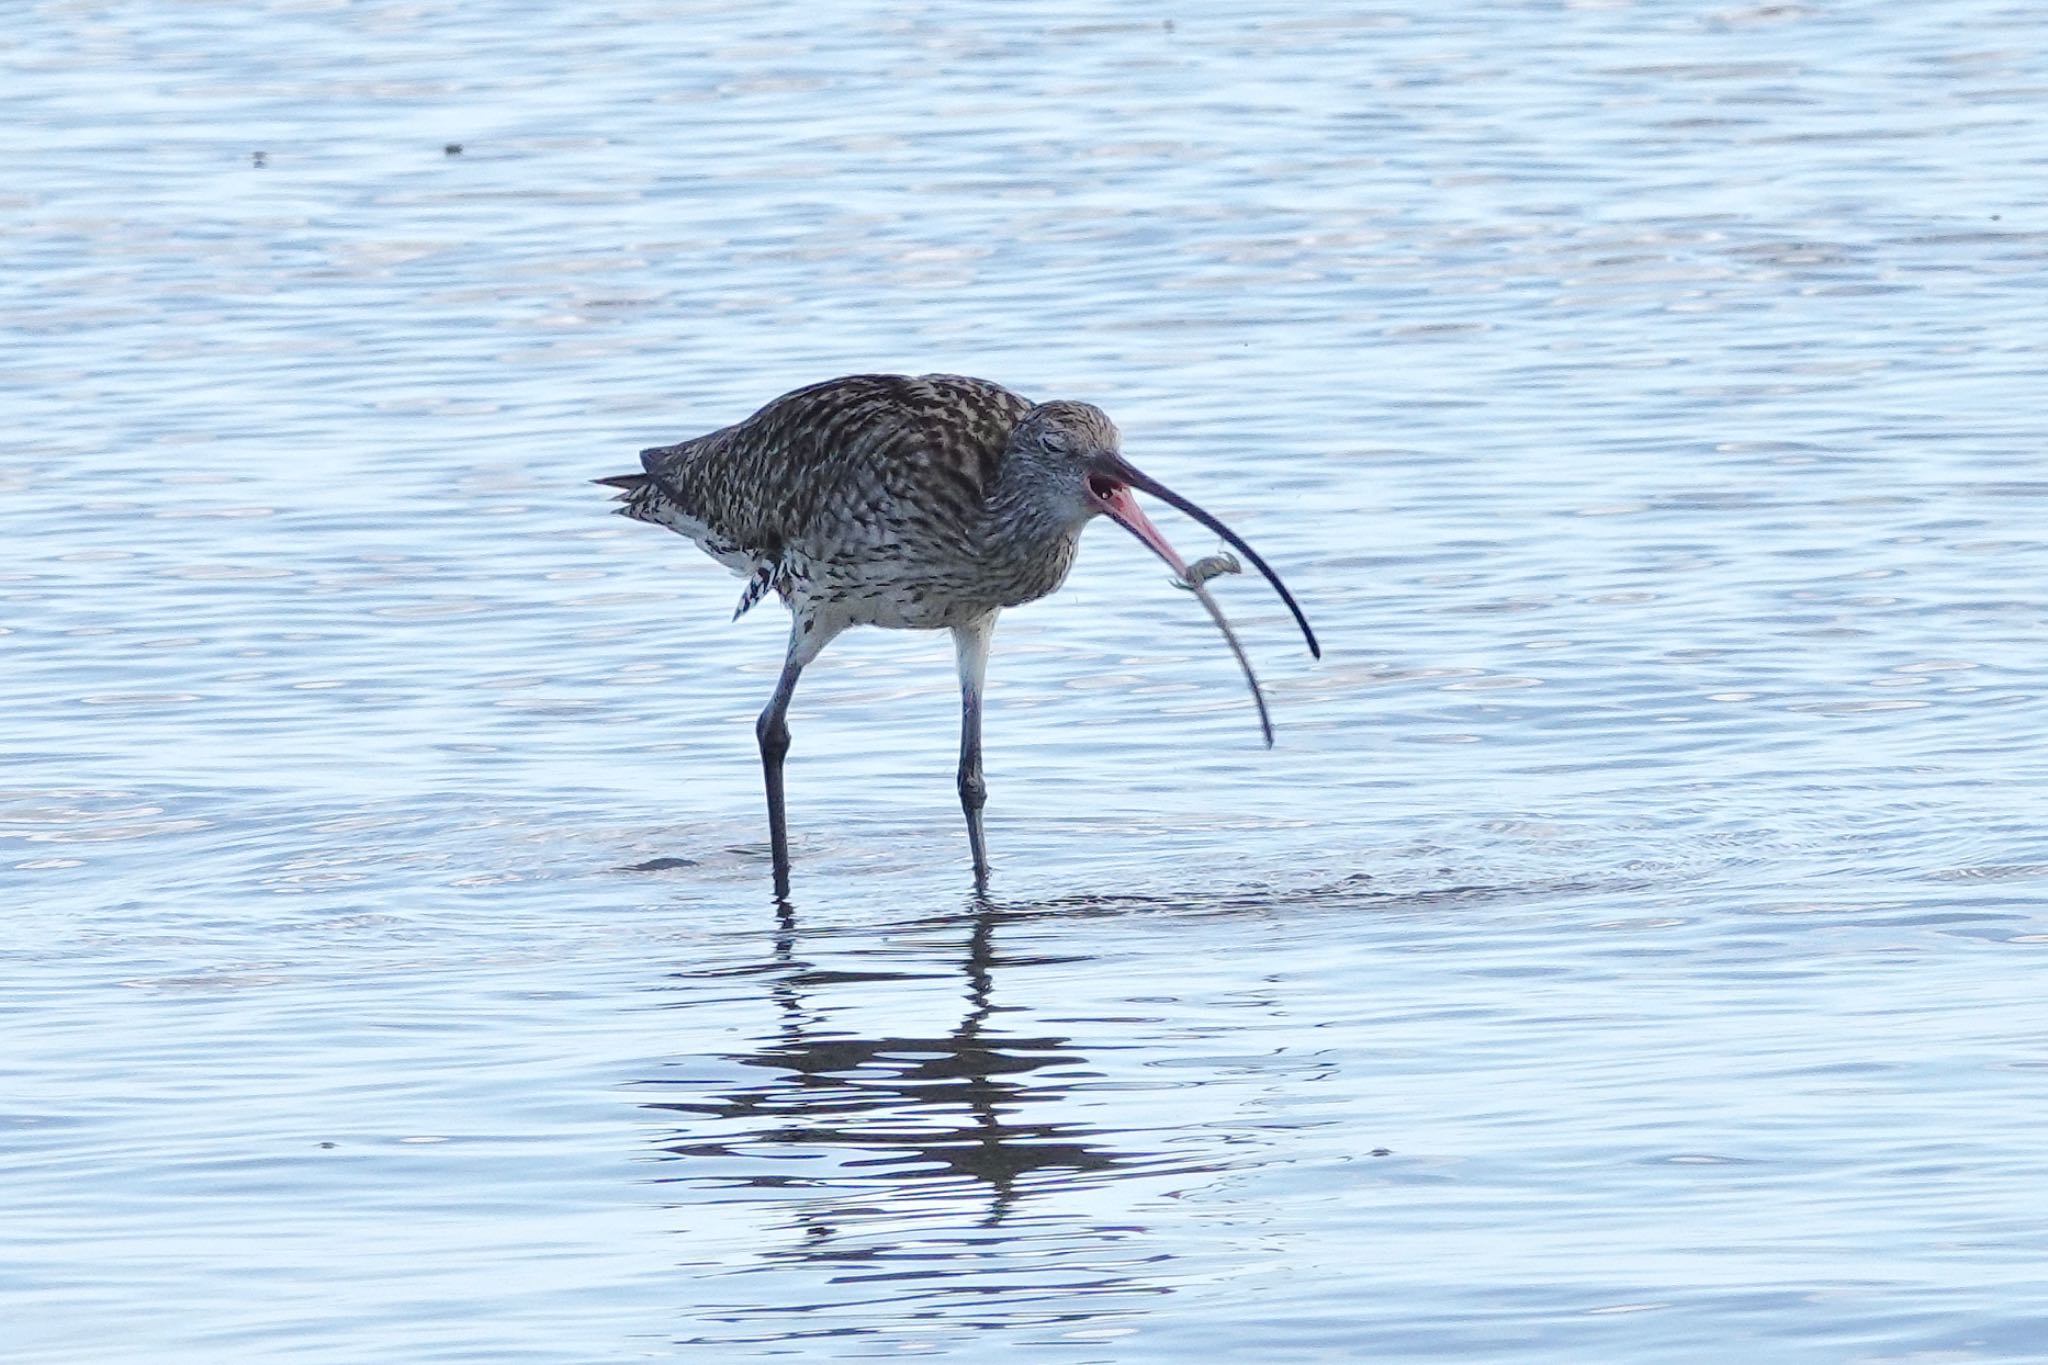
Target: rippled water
{"points": [[1632, 950]]}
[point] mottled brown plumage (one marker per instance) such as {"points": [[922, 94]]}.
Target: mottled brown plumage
{"points": [[873, 500], [922, 503]]}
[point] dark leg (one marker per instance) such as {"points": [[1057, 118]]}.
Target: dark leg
{"points": [[773, 732], [970, 642]]}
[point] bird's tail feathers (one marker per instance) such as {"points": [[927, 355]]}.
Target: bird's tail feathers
{"points": [[639, 497], [643, 499]]}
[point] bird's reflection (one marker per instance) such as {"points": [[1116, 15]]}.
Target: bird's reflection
{"points": [[967, 1119]]}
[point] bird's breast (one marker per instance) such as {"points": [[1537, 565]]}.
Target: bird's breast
{"points": [[923, 591]]}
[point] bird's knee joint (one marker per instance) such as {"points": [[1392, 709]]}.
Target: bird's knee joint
{"points": [[973, 791], [773, 732]]}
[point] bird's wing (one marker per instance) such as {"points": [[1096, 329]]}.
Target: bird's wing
{"points": [[841, 459]]}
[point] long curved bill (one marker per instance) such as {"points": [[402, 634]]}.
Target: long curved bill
{"points": [[1110, 485]]}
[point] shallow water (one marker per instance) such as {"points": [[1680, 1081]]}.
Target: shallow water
{"points": [[1631, 950]]}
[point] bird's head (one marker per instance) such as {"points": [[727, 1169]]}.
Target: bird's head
{"points": [[1073, 454], [1065, 447]]}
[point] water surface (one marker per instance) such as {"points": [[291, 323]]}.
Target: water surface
{"points": [[1630, 951]]}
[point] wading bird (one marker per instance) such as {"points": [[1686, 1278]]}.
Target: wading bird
{"points": [[922, 503]]}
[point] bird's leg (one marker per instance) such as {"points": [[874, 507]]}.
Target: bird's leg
{"points": [[773, 731], [970, 642]]}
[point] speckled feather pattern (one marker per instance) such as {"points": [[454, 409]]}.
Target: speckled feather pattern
{"points": [[876, 499]]}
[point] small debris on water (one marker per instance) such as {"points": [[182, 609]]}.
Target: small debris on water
{"points": [[259, 159], [452, 149], [661, 864], [1202, 570]]}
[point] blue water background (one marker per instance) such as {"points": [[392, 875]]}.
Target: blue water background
{"points": [[1632, 949]]}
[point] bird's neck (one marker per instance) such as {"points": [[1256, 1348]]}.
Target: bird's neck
{"points": [[1025, 536]]}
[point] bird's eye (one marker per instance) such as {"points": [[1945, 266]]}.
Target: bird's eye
{"points": [[1053, 441]]}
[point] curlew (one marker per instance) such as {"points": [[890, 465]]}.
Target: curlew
{"points": [[926, 503]]}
